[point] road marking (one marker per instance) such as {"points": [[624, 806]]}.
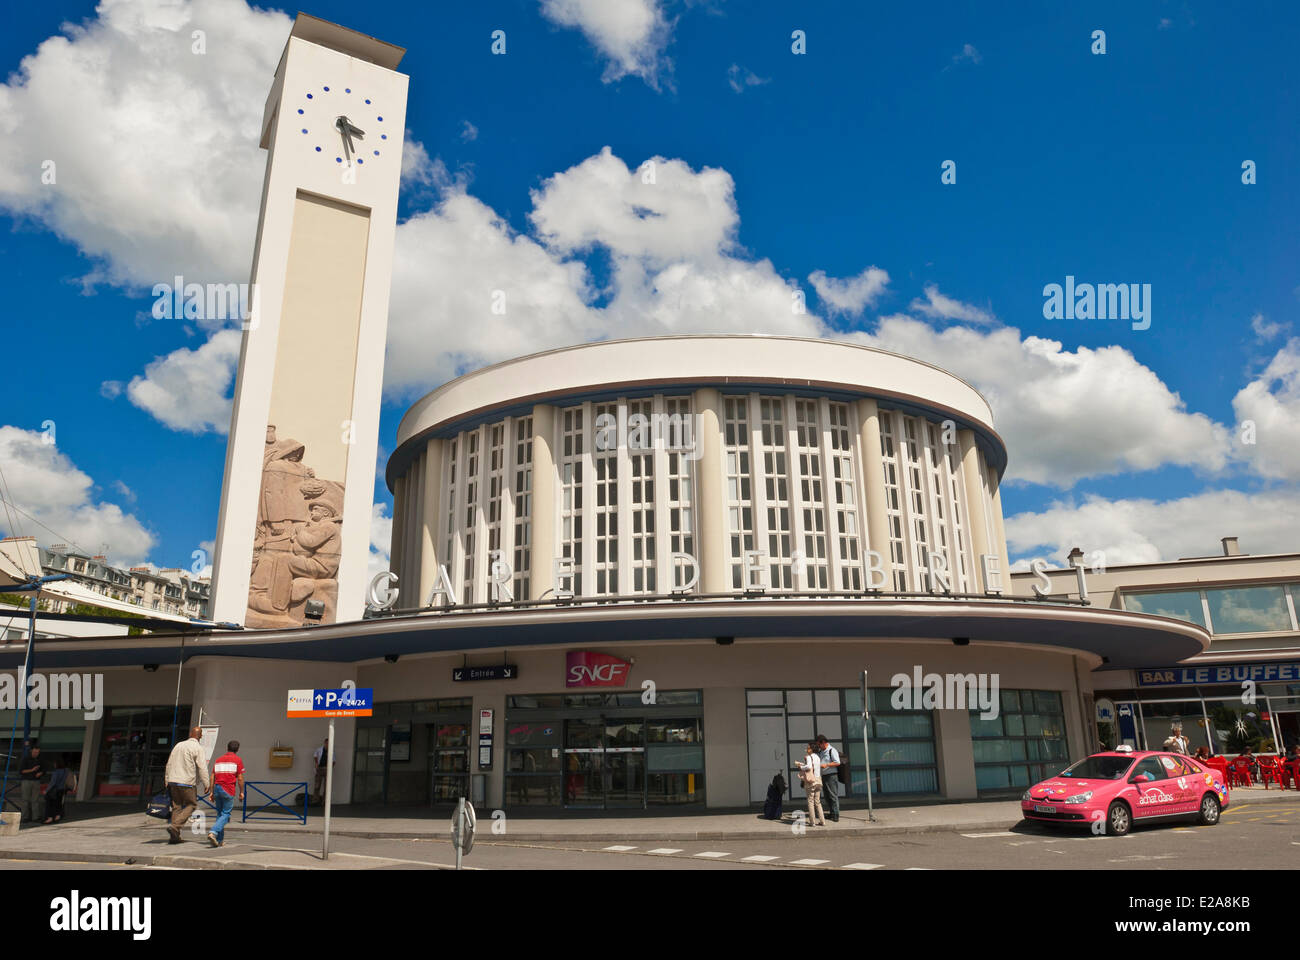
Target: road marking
{"points": [[916, 868], [665, 850], [861, 866], [713, 853], [808, 863], [620, 848], [1001, 833], [758, 859]]}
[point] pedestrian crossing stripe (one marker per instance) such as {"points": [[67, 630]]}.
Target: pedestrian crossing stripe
{"points": [[620, 848], [712, 853], [862, 866], [759, 859], [665, 850], [808, 863]]}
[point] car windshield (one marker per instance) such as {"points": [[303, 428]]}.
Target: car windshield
{"points": [[1100, 767]]}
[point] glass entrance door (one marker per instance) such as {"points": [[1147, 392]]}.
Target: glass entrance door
{"points": [[584, 767], [604, 763], [625, 763]]}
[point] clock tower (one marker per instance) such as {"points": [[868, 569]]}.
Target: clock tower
{"points": [[294, 531]]}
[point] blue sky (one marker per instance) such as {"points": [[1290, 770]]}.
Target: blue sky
{"points": [[1122, 167]]}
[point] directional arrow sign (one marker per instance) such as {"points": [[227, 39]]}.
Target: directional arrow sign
{"points": [[331, 703], [499, 671]]}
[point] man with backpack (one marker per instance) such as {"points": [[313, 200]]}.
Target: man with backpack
{"points": [[830, 758]]}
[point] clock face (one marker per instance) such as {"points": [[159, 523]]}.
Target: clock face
{"points": [[342, 126]]}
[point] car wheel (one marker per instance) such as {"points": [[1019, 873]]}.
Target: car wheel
{"points": [[1209, 810], [1118, 820]]}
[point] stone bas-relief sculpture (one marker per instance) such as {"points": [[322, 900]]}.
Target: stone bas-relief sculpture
{"points": [[298, 542]]}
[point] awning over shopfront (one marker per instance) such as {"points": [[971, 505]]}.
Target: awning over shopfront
{"points": [[1112, 638]]}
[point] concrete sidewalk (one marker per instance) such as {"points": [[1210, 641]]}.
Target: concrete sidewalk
{"points": [[132, 837]]}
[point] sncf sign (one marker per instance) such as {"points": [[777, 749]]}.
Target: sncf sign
{"points": [[583, 669]]}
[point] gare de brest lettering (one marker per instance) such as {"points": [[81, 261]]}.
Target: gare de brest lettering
{"points": [[742, 524]]}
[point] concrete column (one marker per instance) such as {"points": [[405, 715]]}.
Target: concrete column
{"points": [[873, 483], [431, 518], [1000, 545], [977, 521], [542, 552], [399, 525], [956, 755], [711, 508], [726, 745], [411, 520]]}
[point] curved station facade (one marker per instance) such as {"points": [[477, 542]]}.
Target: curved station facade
{"points": [[665, 563]]}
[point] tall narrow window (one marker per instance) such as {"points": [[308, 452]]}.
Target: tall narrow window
{"points": [[889, 458], [523, 494], [496, 480], [604, 462], [919, 523], [681, 443], [844, 476], [471, 509], [812, 499], [571, 460], [937, 483], [740, 500], [641, 464], [776, 479]]}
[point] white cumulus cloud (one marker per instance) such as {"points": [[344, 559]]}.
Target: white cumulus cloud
{"points": [[59, 503], [632, 35], [940, 307], [1065, 414], [1144, 530], [188, 388], [851, 295], [1268, 417]]}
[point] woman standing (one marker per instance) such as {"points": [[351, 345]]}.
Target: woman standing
{"points": [[810, 772]]}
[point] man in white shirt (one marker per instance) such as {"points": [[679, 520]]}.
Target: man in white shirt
{"points": [[187, 780], [830, 758]]}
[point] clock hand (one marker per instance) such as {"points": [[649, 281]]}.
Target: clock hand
{"points": [[345, 130]]}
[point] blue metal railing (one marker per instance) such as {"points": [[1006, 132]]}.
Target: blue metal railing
{"points": [[273, 802]]}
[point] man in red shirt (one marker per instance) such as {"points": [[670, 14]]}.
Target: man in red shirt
{"points": [[227, 784]]}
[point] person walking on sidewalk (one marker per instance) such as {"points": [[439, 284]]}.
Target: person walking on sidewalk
{"points": [[227, 784], [187, 780], [322, 758], [30, 771], [60, 784], [811, 775], [830, 758]]}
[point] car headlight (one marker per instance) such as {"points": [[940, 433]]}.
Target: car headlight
{"points": [[1025, 796], [1079, 798]]}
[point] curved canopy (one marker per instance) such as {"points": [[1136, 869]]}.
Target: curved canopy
{"points": [[1113, 637]]}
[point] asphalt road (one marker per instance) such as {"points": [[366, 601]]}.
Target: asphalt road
{"points": [[1250, 837]]}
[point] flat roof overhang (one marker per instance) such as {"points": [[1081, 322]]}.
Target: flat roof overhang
{"points": [[1113, 637]]}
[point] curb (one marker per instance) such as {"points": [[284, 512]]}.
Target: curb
{"points": [[179, 861]]}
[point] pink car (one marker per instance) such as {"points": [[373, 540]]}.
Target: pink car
{"points": [[1119, 787]]}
